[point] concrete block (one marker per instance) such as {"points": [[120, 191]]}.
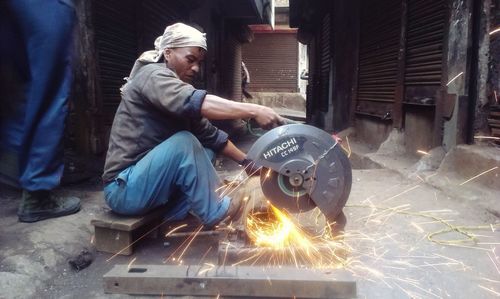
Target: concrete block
{"points": [[467, 161], [394, 144]]}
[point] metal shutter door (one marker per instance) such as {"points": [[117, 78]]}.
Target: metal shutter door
{"points": [[378, 57], [116, 47], [272, 60], [155, 16], [324, 64], [123, 30], [424, 51], [231, 69], [424, 42]]}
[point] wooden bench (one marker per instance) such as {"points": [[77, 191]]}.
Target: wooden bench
{"points": [[118, 234]]}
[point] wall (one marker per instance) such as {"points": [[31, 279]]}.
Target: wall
{"points": [[493, 84], [481, 93], [345, 55], [458, 43], [85, 124], [419, 124], [372, 131], [302, 69], [272, 61]]}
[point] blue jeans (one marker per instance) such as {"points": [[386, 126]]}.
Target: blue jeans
{"points": [[36, 46], [178, 173]]}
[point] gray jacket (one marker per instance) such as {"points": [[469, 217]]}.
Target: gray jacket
{"points": [[155, 105]]}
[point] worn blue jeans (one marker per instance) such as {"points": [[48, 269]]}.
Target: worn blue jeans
{"points": [[36, 47], [178, 172]]}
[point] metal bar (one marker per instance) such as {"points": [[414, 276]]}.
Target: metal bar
{"points": [[243, 281]]}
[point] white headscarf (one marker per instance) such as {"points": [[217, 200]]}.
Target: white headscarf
{"points": [[178, 35]]}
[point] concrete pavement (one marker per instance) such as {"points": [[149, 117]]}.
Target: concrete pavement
{"points": [[391, 214]]}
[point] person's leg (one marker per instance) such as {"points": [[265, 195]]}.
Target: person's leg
{"points": [[178, 165], [46, 30], [46, 27]]}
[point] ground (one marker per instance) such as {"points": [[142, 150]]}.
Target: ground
{"points": [[392, 214]]}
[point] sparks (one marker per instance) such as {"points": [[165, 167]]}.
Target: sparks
{"points": [[286, 242], [138, 239], [347, 150], [175, 229], [487, 137], [494, 262], [399, 194], [191, 241], [422, 152], [494, 31], [131, 262], [418, 227], [482, 173], [454, 78], [489, 290]]}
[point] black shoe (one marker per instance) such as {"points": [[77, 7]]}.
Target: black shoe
{"points": [[40, 205]]}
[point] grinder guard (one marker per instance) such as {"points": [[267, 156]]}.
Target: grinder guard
{"points": [[303, 167]]}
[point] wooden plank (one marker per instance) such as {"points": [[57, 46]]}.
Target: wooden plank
{"points": [[244, 281], [113, 241], [117, 234], [125, 223]]}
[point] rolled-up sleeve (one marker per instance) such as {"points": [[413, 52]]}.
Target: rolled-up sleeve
{"points": [[209, 135], [171, 95]]}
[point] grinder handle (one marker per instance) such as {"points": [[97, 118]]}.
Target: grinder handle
{"points": [[287, 121]]}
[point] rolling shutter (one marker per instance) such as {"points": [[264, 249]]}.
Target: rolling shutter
{"points": [[155, 16], [272, 61], [424, 42], [116, 47], [231, 69], [123, 30], [378, 57], [424, 50], [324, 67]]}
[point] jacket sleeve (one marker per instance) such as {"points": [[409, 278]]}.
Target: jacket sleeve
{"points": [[172, 96], [209, 135]]}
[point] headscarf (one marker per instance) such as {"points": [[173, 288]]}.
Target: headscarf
{"points": [[178, 35]]}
